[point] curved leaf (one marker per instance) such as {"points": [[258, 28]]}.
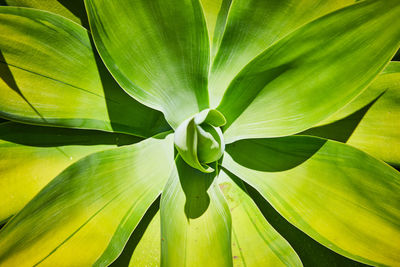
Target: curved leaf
{"points": [[50, 76], [313, 72], [254, 241], [373, 123], [340, 196], [86, 214], [71, 9], [31, 156], [374, 90], [254, 25], [216, 13], [148, 250], [157, 50], [195, 220]]}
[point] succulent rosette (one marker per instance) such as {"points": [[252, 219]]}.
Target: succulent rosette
{"points": [[199, 133]]}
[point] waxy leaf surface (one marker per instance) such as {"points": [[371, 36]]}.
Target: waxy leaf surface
{"points": [[254, 241], [157, 50], [371, 121], [340, 196], [50, 76], [31, 156], [252, 26], [86, 214], [195, 220], [312, 72]]}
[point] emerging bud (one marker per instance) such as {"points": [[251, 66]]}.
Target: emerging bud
{"points": [[199, 139]]}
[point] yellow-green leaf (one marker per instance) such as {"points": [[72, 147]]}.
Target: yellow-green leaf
{"points": [[31, 156], [195, 220], [313, 72], [254, 241], [87, 213], [51, 76], [338, 195], [252, 26], [157, 50]]}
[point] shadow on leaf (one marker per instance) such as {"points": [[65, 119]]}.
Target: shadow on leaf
{"points": [[274, 154], [8, 78], [341, 130], [76, 7], [310, 251], [125, 257], [42, 136], [194, 184]]}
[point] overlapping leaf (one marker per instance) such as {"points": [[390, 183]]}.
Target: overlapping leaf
{"points": [[311, 73], [195, 220], [31, 156], [71, 9], [252, 26], [162, 59], [254, 241], [340, 196], [50, 76], [86, 214], [371, 121]]}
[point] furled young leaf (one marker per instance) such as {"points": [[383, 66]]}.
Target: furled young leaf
{"points": [[157, 50], [371, 121], [90, 209], [195, 220], [313, 72], [31, 156], [254, 241], [340, 196], [50, 76], [71, 9], [252, 26]]}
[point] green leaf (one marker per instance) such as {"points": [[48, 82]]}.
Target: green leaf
{"points": [[254, 25], [338, 195], [50, 76], [71, 9], [86, 214], [371, 121], [254, 241], [159, 55], [31, 156], [144, 245], [382, 83], [313, 72], [148, 250], [216, 13], [195, 220]]}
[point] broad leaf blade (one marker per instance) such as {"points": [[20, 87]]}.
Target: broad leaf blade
{"points": [[254, 241], [340, 196], [157, 50], [313, 72], [374, 90], [71, 9], [90, 209], [50, 76], [216, 13], [148, 250], [371, 121], [254, 25], [31, 156], [195, 220]]}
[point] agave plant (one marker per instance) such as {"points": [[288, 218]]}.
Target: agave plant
{"points": [[173, 126]]}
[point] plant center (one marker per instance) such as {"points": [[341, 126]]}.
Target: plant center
{"points": [[199, 139]]}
